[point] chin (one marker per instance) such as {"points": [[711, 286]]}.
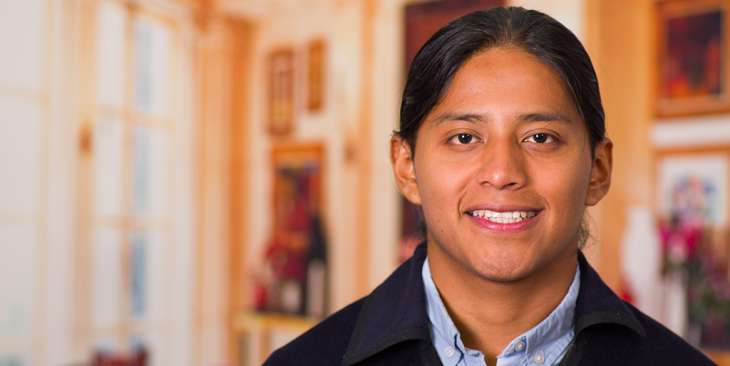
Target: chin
{"points": [[503, 272]]}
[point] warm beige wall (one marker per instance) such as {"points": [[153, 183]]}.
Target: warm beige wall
{"points": [[363, 82], [336, 126], [619, 40]]}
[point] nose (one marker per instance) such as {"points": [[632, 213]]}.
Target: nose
{"points": [[502, 166]]}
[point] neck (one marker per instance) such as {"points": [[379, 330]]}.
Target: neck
{"points": [[490, 314]]}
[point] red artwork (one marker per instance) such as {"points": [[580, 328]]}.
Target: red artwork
{"points": [[692, 76], [295, 256], [136, 358]]}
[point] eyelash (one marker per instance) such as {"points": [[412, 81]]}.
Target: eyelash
{"points": [[549, 138], [456, 139]]}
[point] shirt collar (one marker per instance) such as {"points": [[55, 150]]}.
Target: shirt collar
{"points": [[550, 337]]}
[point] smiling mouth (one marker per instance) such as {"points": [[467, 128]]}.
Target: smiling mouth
{"points": [[504, 217]]}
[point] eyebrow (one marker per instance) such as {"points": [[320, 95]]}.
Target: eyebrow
{"points": [[546, 117], [466, 117], [524, 118]]}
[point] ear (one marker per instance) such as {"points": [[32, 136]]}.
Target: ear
{"points": [[600, 172], [401, 159]]}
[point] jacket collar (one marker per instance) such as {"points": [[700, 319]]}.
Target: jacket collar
{"points": [[597, 303], [396, 310]]}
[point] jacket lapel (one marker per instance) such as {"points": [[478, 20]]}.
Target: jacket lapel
{"points": [[597, 303], [393, 313]]}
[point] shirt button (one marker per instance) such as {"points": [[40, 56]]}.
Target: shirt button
{"points": [[539, 358], [519, 346], [449, 352]]}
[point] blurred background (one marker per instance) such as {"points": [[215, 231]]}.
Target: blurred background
{"points": [[196, 182]]}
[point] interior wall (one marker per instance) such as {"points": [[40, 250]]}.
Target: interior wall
{"points": [[623, 62], [339, 127], [569, 12]]}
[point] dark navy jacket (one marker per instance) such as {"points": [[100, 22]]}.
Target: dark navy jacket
{"points": [[391, 327]]}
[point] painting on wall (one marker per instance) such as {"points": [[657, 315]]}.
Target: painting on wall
{"points": [[316, 66], [293, 277], [692, 72], [281, 92], [692, 202]]}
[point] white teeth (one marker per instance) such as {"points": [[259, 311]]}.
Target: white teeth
{"points": [[504, 217]]}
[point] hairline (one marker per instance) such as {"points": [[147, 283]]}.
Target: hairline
{"points": [[489, 46]]}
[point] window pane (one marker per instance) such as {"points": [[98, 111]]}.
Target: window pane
{"points": [[139, 274], [15, 359], [148, 275], [20, 131], [152, 67], [22, 30], [149, 172], [18, 266], [111, 53], [108, 167], [106, 277]]}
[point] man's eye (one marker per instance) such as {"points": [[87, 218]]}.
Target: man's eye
{"points": [[540, 138], [463, 139]]}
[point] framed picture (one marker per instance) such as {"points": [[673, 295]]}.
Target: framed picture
{"points": [[281, 91], [694, 185], [316, 85], [692, 57], [292, 279], [692, 206], [297, 189]]}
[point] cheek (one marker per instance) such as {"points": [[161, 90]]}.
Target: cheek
{"points": [[568, 190], [440, 186]]}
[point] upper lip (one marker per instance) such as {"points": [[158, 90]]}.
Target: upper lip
{"points": [[501, 208]]}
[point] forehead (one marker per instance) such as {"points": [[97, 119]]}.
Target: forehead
{"points": [[506, 81]]}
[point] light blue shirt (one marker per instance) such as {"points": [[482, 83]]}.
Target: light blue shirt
{"points": [[543, 345]]}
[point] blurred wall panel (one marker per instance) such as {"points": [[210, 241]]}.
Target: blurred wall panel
{"points": [[24, 101], [23, 43], [624, 64], [224, 55]]}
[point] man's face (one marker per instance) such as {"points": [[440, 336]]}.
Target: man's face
{"points": [[502, 169]]}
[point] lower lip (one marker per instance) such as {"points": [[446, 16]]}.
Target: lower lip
{"points": [[504, 228]]}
